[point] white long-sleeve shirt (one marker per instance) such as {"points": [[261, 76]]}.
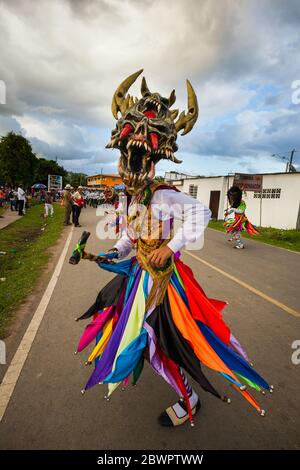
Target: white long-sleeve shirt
{"points": [[21, 194], [169, 204]]}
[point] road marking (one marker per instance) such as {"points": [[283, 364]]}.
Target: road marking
{"points": [[13, 372], [287, 309]]}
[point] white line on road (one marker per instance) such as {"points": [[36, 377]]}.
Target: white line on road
{"points": [[287, 309], [13, 372]]}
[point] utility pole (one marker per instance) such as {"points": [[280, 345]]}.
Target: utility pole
{"points": [[289, 165], [291, 160]]}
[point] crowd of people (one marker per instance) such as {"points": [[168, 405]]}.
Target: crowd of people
{"points": [[73, 199], [94, 197], [16, 198], [19, 199]]}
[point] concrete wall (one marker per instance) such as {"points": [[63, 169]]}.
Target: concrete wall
{"points": [[280, 212], [174, 175], [276, 212], [205, 186]]}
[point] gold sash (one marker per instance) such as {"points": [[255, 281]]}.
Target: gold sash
{"points": [[149, 237]]}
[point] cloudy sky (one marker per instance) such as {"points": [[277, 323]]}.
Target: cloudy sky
{"points": [[61, 61]]}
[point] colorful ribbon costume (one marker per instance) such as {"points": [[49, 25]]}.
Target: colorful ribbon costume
{"points": [[236, 221], [158, 313]]}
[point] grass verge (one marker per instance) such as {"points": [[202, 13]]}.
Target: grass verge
{"points": [[289, 239], [26, 243]]}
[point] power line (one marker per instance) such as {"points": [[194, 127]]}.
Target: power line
{"points": [[289, 166]]}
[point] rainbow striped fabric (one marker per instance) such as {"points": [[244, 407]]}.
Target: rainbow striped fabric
{"points": [[185, 331]]}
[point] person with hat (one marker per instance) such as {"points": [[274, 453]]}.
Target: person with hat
{"points": [[68, 202]]}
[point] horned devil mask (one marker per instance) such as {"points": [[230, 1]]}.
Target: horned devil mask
{"points": [[147, 129]]}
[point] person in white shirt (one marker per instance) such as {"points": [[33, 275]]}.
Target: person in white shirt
{"points": [[21, 200], [169, 204], [173, 298], [154, 307]]}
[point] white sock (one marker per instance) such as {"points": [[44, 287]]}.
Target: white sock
{"points": [[180, 412]]}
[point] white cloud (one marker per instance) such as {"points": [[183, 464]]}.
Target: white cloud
{"points": [[62, 60], [52, 132], [217, 99]]}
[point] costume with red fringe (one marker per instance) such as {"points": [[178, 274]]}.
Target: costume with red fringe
{"points": [[165, 315], [236, 221], [160, 313]]}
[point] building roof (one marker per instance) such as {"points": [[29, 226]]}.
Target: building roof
{"points": [[101, 175]]}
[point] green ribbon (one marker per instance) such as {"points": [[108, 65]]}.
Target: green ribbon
{"points": [[138, 370], [79, 248]]}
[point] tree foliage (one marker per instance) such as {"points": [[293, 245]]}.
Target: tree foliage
{"points": [[17, 160], [76, 179], [47, 167], [20, 166], [159, 179]]}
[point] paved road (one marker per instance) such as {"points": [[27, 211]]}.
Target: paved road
{"points": [[47, 410], [8, 218]]}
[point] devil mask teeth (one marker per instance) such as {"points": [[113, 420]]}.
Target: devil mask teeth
{"points": [[146, 130]]}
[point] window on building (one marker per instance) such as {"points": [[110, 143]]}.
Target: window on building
{"points": [[269, 193], [193, 189]]}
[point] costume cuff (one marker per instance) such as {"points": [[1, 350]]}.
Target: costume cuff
{"points": [[175, 244], [123, 251]]}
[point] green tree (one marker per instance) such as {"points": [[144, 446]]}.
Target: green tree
{"points": [[17, 160], [76, 179], [47, 167], [159, 179]]}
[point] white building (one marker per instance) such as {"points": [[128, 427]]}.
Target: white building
{"points": [[279, 206], [175, 176]]}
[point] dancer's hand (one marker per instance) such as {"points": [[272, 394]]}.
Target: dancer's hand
{"points": [[159, 257], [108, 257]]}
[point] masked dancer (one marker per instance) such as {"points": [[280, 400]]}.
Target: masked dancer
{"points": [[154, 308]]}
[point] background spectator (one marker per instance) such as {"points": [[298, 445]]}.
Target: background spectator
{"points": [[2, 197], [13, 197], [48, 204], [21, 200], [78, 204], [68, 202]]}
